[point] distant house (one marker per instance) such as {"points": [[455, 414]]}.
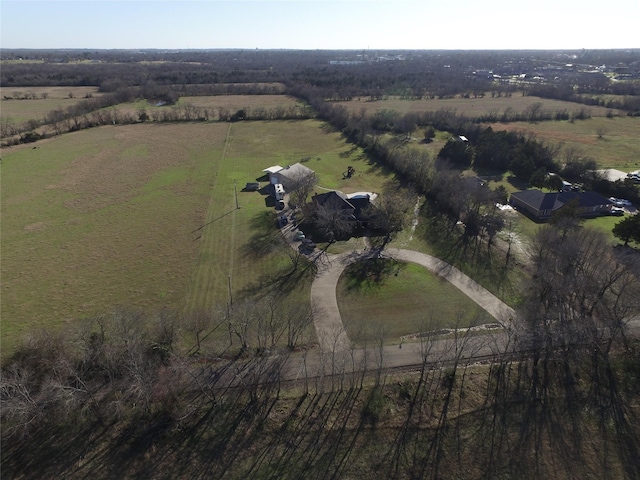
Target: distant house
{"points": [[542, 205], [287, 176]]}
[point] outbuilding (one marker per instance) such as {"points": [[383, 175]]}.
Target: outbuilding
{"points": [[288, 176]]}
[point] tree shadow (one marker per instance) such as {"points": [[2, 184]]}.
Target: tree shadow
{"points": [[281, 282], [517, 182], [371, 273], [349, 153], [266, 237]]}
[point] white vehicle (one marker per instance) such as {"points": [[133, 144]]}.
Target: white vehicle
{"points": [[618, 212], [279, 191], [620, 202]]}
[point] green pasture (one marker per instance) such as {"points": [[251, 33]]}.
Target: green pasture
{"points": [[144, 216], [401, 299], [20, 111], [101, 218], [472, 107], [237, 244]]}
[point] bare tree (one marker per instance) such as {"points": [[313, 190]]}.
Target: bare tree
{"points": [[300, 187], [334, 223], [196, 323], [387, 216]]}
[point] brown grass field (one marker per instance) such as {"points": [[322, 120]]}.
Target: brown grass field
{"points": [[230, 102], [471, 107], [14, 111], [51, 92], [611, 142]]}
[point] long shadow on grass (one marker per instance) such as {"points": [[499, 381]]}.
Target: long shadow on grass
{"points": [[283, 281], [488, 267], [371, 272], [266, 237], [197, 230]]}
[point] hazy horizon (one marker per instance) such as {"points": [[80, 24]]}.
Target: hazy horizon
{"points": [[317, 25]]}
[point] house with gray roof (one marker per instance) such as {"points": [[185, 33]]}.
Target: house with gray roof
{"points": [[288, 176], [541, 206]]}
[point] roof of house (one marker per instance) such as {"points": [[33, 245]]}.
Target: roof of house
{"points": [[585, 199], [552, 201], [296, 170], [334, 199]]}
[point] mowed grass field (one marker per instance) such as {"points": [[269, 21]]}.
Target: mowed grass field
{"points": [[14, 111], [116, 216], [407, 300], [233, 246]]}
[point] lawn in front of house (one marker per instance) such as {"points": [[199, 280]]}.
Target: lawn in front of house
{"points": [[401, 299]]}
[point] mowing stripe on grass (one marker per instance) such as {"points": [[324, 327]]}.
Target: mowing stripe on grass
{"points": [[206, 280]]}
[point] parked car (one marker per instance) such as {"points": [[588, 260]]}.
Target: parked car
{"points": [[620, 202], [616, 211], [308, 243], [634, 177], [299, 236], [280, 205], [282, 221]]}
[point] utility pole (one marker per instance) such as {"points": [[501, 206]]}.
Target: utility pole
{"points": [[235, 189]]}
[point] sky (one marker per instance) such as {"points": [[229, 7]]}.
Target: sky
{"points": [[311, 25]]}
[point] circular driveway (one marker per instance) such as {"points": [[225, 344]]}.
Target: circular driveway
{"points": [[326, 315]]}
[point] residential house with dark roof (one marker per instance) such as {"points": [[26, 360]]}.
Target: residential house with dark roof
{"points": [[334, 200], [542, 205]]}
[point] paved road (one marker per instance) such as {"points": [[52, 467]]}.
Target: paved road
{"points": [[328, 321]]}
